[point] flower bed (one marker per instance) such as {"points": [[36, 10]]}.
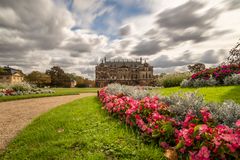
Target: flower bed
{"points": [[195, 134], [222, 75], [22, 89]]}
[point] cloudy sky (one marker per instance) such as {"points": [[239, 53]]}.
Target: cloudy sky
{"points": [[76, 34]]}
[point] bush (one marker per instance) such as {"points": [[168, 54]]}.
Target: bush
{"points": [[137, 92], [198, 83], [221, 75], [232, 80], [218, 73], [21, 87], [172, 80], [2, 86]]}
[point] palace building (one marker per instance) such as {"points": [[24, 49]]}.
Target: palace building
{"points": [[124, 72]]}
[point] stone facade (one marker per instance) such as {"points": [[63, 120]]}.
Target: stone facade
{"points": [[11, 76], [123, 72]]}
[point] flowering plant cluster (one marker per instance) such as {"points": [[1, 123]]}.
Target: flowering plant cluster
{"points": [[21, 89], [222, 75], [196, 136], [218, 73]]}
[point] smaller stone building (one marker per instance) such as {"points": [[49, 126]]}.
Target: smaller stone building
{"points": [[10, 75]]}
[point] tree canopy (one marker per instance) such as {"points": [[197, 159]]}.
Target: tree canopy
{"points": [[234, 54]]}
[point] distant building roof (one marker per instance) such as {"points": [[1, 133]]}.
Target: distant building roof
{"points": [[122, 63], [9, 71]]}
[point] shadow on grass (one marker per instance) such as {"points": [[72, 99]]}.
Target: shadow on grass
{"points": [[232, 94]]}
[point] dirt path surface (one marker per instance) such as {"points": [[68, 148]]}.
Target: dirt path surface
{"points": [[15, 115]]}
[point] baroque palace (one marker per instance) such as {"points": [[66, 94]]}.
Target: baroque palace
{"points": [[124, 72]]}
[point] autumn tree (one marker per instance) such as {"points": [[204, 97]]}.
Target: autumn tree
{"points": [[38, 78], [196, 67], [58, 77], [234, 54]]}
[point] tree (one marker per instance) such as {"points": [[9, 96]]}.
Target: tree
{"points": [[196, 67], [38, 78], [58, 76], [234, 54]]}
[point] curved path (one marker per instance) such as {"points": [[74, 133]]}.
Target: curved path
{"points": [[15, 115]]}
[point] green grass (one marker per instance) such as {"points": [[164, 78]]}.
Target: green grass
{"points": [[58, 92], [79, 130], [211, 94]]}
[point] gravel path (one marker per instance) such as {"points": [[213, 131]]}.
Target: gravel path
{"points": [[15, 115]]}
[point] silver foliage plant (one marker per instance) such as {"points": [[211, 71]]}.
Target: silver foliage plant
{"points": [[226, 113], [198, 83], [137, 92], [180, 103], [232, 80]]}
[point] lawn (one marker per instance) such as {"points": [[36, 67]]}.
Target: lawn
{"points": [[79, 130], [211, 94], [58, 92]]}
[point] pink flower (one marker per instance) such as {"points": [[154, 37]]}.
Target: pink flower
{"points": [[203, 154], [164, 145], [203, 128], [238, 123], [205, 114]]}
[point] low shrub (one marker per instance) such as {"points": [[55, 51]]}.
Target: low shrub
{"points": [[172, 80], [198, 83], [222, 75], [232, 80], [22, 89], [182, 122], [2, 86], [137, 92]]}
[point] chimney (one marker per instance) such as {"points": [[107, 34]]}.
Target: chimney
{"points": [[140, 59], [105, 59]]}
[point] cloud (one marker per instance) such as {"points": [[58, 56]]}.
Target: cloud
{"points": [[232, 4], [164, 61], [64, 62], [213, 57], [146, 47], [208, 57], [187, 23], [43, 30], [125, 30]]}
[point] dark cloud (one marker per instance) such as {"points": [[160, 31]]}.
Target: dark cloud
{"points": [[146, 47], [232, 4], [184, 23], [164, 62], [33, 27], [125, 43], [208, 57], [87, 70], [212, 56], [64, 62], [125, 30], [78, 45]]}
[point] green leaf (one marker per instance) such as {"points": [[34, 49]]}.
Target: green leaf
{"points": [[179, 145]]}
